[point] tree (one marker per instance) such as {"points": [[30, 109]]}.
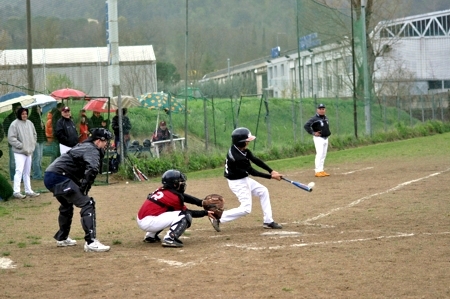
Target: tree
{"points": [[167, 72]]}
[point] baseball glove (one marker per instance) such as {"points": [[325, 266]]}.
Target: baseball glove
{"points": [[214, 202]]}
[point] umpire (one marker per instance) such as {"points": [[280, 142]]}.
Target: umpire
{"points": [[69, 178]]}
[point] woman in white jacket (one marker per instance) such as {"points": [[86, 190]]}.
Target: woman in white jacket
{"points": [[22, 138]]}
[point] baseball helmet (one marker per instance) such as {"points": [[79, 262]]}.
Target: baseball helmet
{"points": [[240, 135], [174, 179], [135, 143], [101, 133], [147, 143]]}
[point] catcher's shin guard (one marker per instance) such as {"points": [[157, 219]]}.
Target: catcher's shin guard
{"points": [[88, 220], [178, 228]]}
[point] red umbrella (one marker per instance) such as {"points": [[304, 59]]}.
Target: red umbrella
{"points": [[100, 105], [67, 93]]}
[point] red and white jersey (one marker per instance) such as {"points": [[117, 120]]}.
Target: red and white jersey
{"points": [[161, 201]]}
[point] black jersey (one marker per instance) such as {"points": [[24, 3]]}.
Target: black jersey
{"points": [[238, 166], [318, 123]]}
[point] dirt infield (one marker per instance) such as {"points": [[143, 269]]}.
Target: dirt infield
{"points": [[370, 230]]}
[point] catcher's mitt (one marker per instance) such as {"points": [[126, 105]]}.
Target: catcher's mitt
{"points": [[214, 202]]}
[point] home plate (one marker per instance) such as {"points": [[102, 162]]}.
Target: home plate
{"points": [[281, 233], [6, 263]]}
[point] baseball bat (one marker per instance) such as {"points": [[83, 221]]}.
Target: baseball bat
{"points": [[142, 176], [133, 167], [307, 188]]}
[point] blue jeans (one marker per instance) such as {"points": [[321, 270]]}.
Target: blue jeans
{"points": [[36, 165], [12, 164]]}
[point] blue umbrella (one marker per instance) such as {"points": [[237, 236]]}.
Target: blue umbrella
{"points": [[11, 95]]}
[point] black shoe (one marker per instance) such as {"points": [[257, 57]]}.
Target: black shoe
{"points": [[152, 240], [272, 225], [169, 242]]}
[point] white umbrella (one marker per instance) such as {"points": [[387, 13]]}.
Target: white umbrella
{"points": [[41, 100], [127, 101], [23, 100]]}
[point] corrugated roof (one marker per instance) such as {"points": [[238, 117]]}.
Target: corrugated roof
{"points": [[76, 55]]}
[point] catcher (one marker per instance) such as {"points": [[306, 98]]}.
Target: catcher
{"points": [[165, 208]]}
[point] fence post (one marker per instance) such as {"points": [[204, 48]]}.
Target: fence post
{"points": [[433, 107], [384, 113], [337, 114], [442, 108], [410, 112], [269, 135], [206, 124], [423, 112]]}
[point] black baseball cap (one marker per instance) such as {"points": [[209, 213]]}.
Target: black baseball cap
{"points": [[321, 106]]}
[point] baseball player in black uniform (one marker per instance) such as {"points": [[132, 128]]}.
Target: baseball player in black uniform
{"points": [[318, 127], [69, 178], [237, 170]]}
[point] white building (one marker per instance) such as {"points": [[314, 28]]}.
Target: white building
{"points": [[413, 57], [85, 68]]}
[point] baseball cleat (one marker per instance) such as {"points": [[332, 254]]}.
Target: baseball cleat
{"points": [[272, 225], [311, 186], [169, 242], [152, 240], [320, 174], [326, 174]]}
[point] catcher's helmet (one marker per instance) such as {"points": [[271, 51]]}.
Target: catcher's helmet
{"points": [[174, 179], [100, 133], [240, 135]]}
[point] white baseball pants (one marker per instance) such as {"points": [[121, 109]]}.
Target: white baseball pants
{"points": [[321, 145], [244, 189], [154, 224]]}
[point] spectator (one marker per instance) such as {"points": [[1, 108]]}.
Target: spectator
{"points": [[49, 127], [35, 118], [6, 123], [88, 121], [22, 138], [126, 127], [97, 121], [56, 115], [162, 133], [66, 132], [84, 129]]}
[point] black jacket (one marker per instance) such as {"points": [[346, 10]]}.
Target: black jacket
{"points": [[66, 132], [237, 165], [81, 162], [318, 123]]}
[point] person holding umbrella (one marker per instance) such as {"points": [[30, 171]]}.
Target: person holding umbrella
{"points": [[22, 138]]}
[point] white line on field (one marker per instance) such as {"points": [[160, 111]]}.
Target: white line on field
{"points": [[354, 203], [399, 235], [350, 172]]}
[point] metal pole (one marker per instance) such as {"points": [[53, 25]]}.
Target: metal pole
{"points": [[355, 111], [185, 81], [366, 70], [299, 71], [29, 51]]}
